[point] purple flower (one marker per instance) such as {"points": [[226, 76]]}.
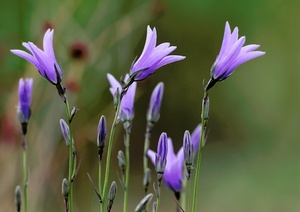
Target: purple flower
{"points": [[25, 93], [155, 103], [43, 60], [127, 102], [152, 57], [174, 167], [232, 54]]}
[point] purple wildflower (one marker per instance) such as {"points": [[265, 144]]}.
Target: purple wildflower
{"points": [[25, 93], [155, 103], [231, 55], [127, 102], [174, 167], [152, 57], [44, 60]]}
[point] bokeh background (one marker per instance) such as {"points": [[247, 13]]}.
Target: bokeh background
{"points": [[251, 159]]}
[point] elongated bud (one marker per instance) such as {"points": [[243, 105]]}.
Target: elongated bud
{"points": [[18, 198], [188, 152], [154, 205], [143, 204], [65, 131], [73, 113], [147, 179], [153, 113], [116, 97], [205, 105], [161, 156], [121, 161], [23, 109], [111, 195], [101, 136], [65, 188]]}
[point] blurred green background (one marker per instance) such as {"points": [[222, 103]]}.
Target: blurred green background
{"points": [[251, 159]]}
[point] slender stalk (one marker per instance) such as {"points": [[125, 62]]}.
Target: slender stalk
{"points": [[99, 179], [25, 173], [197, 175], [71, 158], [127, 158], [146, 146], [111, 136], [184, 194], [158, 196], [188, 195]]}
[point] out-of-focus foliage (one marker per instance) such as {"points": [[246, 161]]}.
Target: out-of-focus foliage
{"points": [[250, 162]]}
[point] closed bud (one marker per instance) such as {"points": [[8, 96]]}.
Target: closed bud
{"points": [[101, 136], [161, 156], [116, 97], [121, 160], [65, 131], [143, 204], [205, 105], [147, 179], [153, 113], [111, 195], [73, 113], [188, 152], [154, 205], [18, 198], [65, 188]]}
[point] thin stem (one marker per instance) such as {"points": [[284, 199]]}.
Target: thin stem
{"points": [[127, 158], [112, 132], [158, 196], [188, 195], [71, 158], [146, 146], [184, 194], [25, 173], [197, 175], [99, 179]]}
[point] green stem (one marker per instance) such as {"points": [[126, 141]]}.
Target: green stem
{"points": [[112, 132], [158, 195], [146, 146], [25, 173], [197, 175], [184, 194], [71, 158], [99, 180], [127, 158]]}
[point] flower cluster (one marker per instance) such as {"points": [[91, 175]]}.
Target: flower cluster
{"points": [[168, 165]]}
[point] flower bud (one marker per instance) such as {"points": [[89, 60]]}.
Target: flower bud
{"points": [[188, 152], [153, 113], [101, 136], [161, 156], [65, 131], [144, 203], [121, 160], [147, 179], [65, 188], [205, 105], [111, 195], [18, 198]]}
